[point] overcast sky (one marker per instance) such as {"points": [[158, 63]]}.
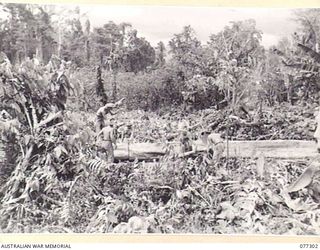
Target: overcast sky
{"points": [[160, 23]]}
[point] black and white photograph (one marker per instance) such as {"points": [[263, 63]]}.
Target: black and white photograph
{"points": [[145, 119]]}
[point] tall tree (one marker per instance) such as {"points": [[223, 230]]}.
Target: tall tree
{"points": [[160, 54], [18, 32], [107, 40], [87, 40], [119, 49], [138, 54], [26, 32], [69, 34], [43, 34], [185, 49], [238, 51]]}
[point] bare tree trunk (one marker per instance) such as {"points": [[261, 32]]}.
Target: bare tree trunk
{"points": [[289, 88], [234, 95], [100, 88], [88, 52], [114, 86]]}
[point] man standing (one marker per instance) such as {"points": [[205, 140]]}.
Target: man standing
{"points": [[189, 98], [215, 144], [105, 140], [104, 110]]}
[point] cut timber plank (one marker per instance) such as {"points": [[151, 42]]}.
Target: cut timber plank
{"points": [[288, 149], [141, 151]]}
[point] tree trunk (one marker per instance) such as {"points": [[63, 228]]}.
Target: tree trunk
{"points": [[114, 85], [285, 149], [100, 88], [289, 84], [234, 95], [88, 52]]}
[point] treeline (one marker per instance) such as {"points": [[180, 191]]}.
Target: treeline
{"points": [[41, 31], [232, 68]]}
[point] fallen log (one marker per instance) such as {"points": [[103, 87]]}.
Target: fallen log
{"points": [[287, 149]]}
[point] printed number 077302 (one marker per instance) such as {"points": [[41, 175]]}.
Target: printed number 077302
{"points": [[309, 246]]}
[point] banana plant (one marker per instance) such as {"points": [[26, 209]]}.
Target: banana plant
{"points": [[38, 105], [303, 69]]}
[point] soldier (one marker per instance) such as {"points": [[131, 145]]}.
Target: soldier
{"points": [[106, 141], [189, 98], [185, 142], [104, 110], [215, 144], [185, 135]]}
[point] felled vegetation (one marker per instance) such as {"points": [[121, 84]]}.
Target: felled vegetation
{"points": [[50, 189], [46, 185], [172, 196]]}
